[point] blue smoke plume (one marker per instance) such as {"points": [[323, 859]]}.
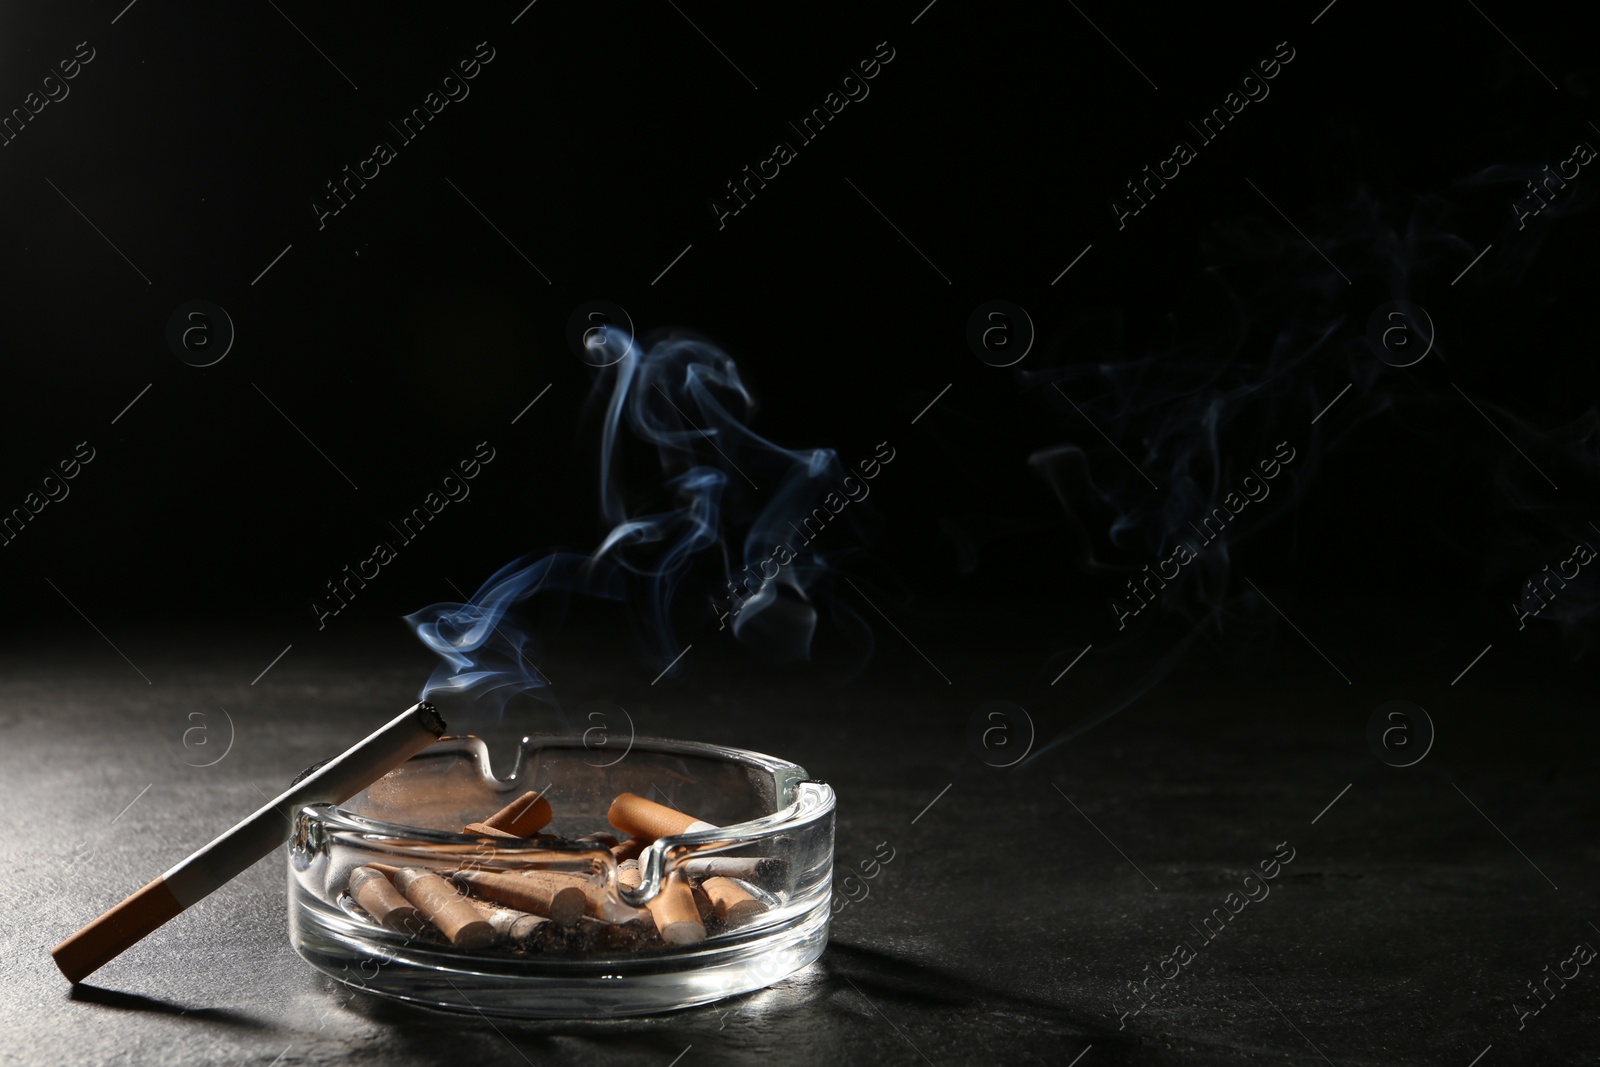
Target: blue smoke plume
{"points": [[699, 546]]}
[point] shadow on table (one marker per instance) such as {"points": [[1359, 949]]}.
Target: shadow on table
{"points": [[113, 998], [886, 979], [790, 1014]]}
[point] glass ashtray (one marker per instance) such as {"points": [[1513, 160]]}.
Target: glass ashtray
{"points": [[763, 833]]}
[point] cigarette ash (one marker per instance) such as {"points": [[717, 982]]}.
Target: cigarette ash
{"points": [[722, 496]]}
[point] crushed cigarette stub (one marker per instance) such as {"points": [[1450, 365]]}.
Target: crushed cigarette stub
{"points": [[516, 926], [532, 892], [628, 874], [758, 869], [732, 905]]}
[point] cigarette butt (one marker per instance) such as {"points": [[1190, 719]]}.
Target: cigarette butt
{"points": [[528, 929], [535, 892], [589, 889], [629, 849], [488, 912], [760, 870], [629, 875], [373, 891], [732, 905], [516, 926], [675, 913], [442, 904], [523, 816], [706, 910], [648, 820], [597, 902]]}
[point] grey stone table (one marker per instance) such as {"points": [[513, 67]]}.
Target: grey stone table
{"points": [[1418, 905]]}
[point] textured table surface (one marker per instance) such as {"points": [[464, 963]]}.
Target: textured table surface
{"points": [[1017, 909]]}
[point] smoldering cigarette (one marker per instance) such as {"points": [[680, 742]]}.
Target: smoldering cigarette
{"points": [[381, 900], [227, 856], [677, 918], [730, 902], [523, 817], [534, 892], [646, 819], [443, 905]]}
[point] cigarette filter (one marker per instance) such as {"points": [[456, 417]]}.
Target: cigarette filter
{"points": [[675, 913], [383, 901], [522, 817], [646, 819], [596, 901], [534, 892], [444, 906]]}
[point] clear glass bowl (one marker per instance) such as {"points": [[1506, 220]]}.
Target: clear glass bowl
{"points": [[773, 830]]}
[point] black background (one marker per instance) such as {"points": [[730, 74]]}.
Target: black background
{"points": [[407, 330], [1197, 337]]}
